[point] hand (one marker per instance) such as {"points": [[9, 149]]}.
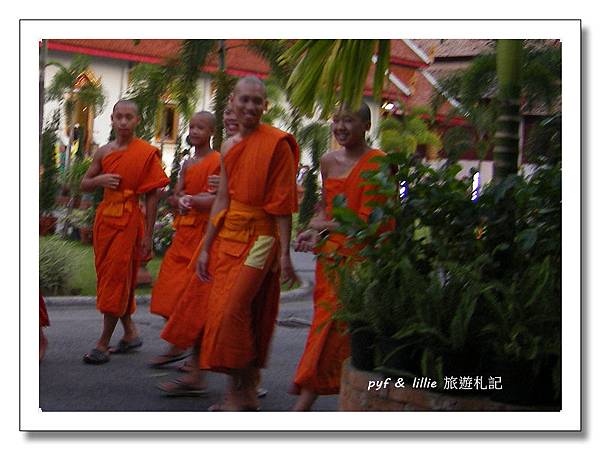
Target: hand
{"points": [[288, 275], [202, 266], [306, 241], [108, 180], [146, 248], [213, 183], [185, 203]]}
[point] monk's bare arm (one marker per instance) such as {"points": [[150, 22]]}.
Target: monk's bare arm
{"points": [[94, 178], [319, 222], [203, 201], [284, 225]]}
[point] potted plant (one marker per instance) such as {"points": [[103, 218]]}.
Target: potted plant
{"points": [[463, 285], [83, 220]]}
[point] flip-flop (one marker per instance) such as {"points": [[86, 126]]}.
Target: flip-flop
{"points": [[185, 367], [96, 357], [179, 388], [126, 346], [261, 392], [168, 360]]}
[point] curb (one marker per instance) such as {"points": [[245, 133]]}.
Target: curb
{"points": [[288, 296]]}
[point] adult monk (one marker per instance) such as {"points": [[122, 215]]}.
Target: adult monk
{"points": [[246, 248], [126, 168], [327, 345], [194, 200]]}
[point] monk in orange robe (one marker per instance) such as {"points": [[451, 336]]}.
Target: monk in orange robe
{"points": [[44, 322], [183, 327], [327, 345], [126, 168], [194, 200], [246, 247]]}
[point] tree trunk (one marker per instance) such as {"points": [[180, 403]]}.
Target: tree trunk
{"points": [[508, 67]]}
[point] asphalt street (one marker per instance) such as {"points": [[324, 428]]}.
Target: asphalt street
{"points": [[126, 383]]}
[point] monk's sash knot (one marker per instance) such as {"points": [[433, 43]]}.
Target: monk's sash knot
{"points": [[117, 202], [241, 222], [190, 219]]}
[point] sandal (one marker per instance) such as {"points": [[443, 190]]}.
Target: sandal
{"points": [[186, 367], [179, 388], [167, 359], [126, 346], [96, 357]]}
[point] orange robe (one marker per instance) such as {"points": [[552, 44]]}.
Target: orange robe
{"points": [[244, 299], [119, 225], [44, 320], [327, 345], [174, 274]]}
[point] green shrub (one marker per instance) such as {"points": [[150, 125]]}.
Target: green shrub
{"points": [[469, 287], [56, 263]]}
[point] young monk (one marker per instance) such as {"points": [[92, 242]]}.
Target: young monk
{"points": [[126, 168], [183, 327], [319, 370], [194, 201], [246, 247]]}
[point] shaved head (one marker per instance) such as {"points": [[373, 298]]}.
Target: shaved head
{"points": [[124, 101], [363, 111], [208, 116], [250, 80]]}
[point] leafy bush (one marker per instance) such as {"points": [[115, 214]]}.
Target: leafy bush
{"points": [[163, 230], [56, 265], [467, 287]]}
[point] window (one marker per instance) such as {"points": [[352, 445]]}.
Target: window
{"points": [[168, 124]]}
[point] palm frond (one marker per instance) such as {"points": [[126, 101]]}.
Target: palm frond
{"points": [[191, 58]]}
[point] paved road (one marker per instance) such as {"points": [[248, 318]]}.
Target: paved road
{"points": [[126, 384]]}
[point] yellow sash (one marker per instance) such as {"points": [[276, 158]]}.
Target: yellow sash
{"points": [[116, 202]]}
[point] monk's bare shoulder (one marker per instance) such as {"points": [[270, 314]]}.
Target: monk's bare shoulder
{"points": [[328, 160]]}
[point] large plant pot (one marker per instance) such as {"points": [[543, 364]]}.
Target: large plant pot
{"points": [[362, 347], [355, 395], [47, 225], [522, 384], [391, 356]]}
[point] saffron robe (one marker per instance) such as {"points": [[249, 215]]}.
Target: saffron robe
{"points": [[119, 225], [244, 299], [327, 345], [174, 274]]}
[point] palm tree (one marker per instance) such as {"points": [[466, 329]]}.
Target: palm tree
{"points": [[508, 69], [178, 78], [328, 72], [72, 89], [489, 91]]}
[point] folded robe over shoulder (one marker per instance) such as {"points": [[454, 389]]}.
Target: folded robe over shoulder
{"points": [[174, 274], [243, 302], [119, 225], [327, 346]]}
